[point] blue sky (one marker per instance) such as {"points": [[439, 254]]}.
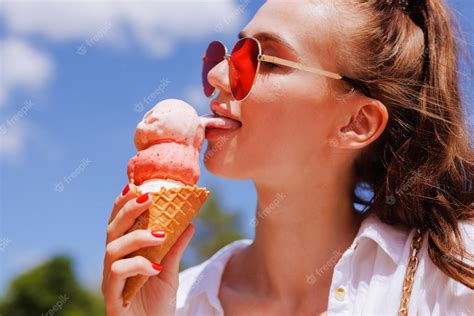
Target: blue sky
{"points": [[74, 84]]}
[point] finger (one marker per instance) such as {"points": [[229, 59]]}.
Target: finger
{"points": [[123, 269], [131, 242], [127, 215], [172, 259], [129, 192]]}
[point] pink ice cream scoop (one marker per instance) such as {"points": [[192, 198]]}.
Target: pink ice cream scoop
{"points": [[172, 120], [169, 139]]}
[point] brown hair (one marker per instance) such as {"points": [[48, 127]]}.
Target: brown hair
{"points": [[421, 168]]}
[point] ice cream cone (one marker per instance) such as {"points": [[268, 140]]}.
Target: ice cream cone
{"points": [[172, 211]]}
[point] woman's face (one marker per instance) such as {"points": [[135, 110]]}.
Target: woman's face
{"points": [[290, 117]]}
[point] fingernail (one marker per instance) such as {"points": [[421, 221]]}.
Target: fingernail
{"points": [[158, 233], [156, 266], [142, 198], [125, 190]]}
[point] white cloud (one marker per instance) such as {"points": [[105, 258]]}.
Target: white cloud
{"points": [[12, 142], [156, 26], [23, 66], [56, 20]]}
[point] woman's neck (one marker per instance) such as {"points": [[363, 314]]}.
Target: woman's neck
{"points": [[302, 228]]}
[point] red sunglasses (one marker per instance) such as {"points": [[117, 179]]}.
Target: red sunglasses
{"points": [[244, 63]]}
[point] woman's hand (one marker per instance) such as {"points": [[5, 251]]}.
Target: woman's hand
{"points": [[158, 295]]}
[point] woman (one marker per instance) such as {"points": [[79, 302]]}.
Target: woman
{"points": [[309, 142]]}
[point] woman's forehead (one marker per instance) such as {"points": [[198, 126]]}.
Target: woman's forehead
{"points": [[303, 24]]}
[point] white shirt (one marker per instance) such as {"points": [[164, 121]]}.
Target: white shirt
{"points": [[367, 279]]}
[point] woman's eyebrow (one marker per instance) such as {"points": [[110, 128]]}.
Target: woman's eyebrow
{"points": [[272, 37]]}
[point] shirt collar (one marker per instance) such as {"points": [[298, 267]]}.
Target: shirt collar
{"points": [[211, 273], [390, 238]]}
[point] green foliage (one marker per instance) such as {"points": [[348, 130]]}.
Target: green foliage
{"points": [[50, 289]]}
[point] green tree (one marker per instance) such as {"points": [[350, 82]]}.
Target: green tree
{"points": [[50, 289]]}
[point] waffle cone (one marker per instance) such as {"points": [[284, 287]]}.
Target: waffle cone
{"points": [[172, 211]]}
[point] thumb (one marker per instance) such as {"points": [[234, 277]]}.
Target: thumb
{"points": [[172, 259]]}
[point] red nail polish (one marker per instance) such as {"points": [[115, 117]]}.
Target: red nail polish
{"points": [[156, 266], [142, 198], [158, 233], [126, 190]]}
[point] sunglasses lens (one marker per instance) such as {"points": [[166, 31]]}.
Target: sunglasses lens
{"points": [[214, 54], [243, 67]]}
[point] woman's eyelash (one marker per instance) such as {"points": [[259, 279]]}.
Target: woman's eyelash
{"points": [[269, 65]]}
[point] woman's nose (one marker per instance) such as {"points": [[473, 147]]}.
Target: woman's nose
{"points": [[218, 77]]}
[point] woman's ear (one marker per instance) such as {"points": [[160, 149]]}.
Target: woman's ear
{"points": [[366, 123]]}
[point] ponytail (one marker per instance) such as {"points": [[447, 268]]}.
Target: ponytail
{"points": [[421, 169]]}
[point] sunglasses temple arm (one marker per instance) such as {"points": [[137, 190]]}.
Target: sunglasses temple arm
{"points": [[284, 62]]}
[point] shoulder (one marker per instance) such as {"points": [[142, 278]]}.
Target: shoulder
{"points": [[451, 295], [205, 277]]}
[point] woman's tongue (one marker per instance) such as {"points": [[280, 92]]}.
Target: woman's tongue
{"points": [[213, 121]]}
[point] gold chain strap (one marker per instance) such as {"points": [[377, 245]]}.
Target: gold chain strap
{"points": [[410, 273]]}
